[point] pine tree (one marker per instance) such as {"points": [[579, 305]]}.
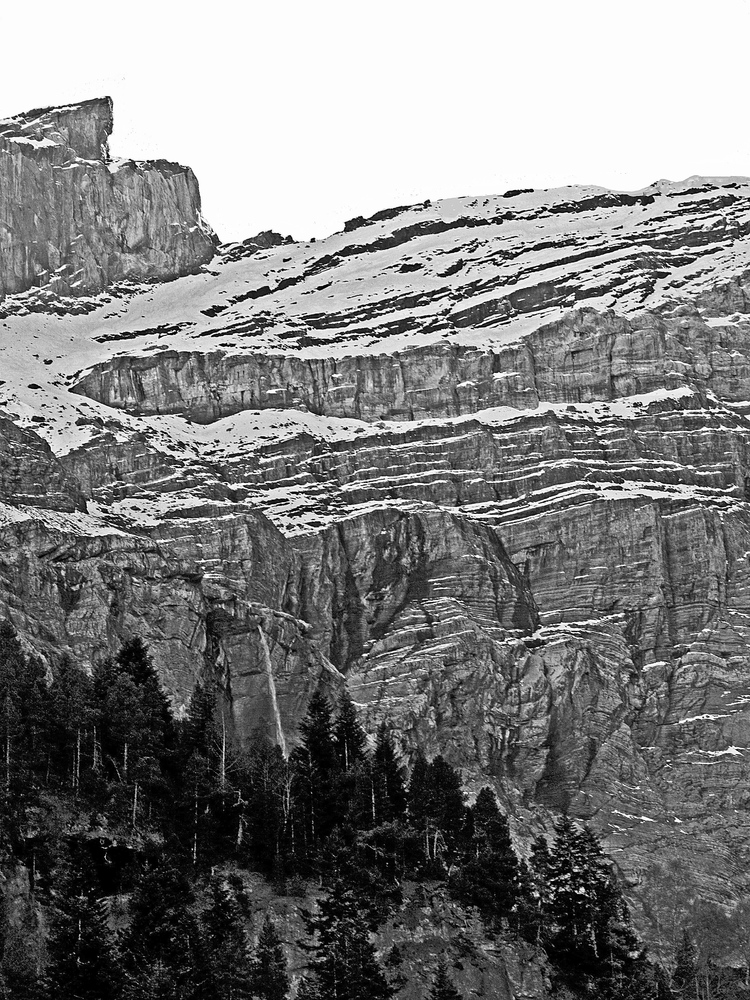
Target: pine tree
{"points": [[135, 660], [686, 968], [442, 985], [12, 667], [490, 878], [350, 738], [589, 923], [269, 805], [35, 717], [389, 791], [72, 696], [269, 977], [535, 910], [316, 768], [344, 966], [162, 943], [418, 794], [228, 958], [82, 961]]}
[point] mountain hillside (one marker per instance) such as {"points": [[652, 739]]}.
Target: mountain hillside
{"points": [[485, 461]]}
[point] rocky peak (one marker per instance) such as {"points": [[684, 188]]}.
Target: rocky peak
{"points": [[83, 128], [485, 458], [73, 222]]}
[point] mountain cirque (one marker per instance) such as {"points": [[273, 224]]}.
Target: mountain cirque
{"points": [[486, 458]]}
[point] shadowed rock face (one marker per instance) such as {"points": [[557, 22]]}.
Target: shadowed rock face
{"points": [[73, 221], [409, 459]]}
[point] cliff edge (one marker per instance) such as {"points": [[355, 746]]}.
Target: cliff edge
{"points": [[73, 221]]}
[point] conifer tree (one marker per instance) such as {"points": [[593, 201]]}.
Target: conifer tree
{"points": [[199, 728], [442, 985], [227, 953], [344, 966], [686, 968], [316, 767], [490, 878], [351, 741], [590, 923], [72, 697], [446, 800], [82, 960], [269, 805], [269, 976], [535, 918], [162, 943], [389, 792], [36, 718], [419, 795], [12, 666], [134, 660]]}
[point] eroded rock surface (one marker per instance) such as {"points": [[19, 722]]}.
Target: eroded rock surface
{"points": [[485, 461], [73, 221]]}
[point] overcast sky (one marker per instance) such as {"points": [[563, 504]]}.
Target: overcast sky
{"points": [[299, 114]]}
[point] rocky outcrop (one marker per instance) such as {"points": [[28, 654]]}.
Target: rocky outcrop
{"points": [[484, 461], [73, 221]]}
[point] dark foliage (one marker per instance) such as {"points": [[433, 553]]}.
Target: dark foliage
{"points": [[154, 808]]}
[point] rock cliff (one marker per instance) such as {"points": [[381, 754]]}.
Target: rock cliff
{"points": [[484, 460], [73, 221]]}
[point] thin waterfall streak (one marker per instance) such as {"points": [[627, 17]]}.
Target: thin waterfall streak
{"points": [[272, 691]]}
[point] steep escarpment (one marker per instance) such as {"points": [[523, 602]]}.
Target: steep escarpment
{"points": [[73, 221], [485, 461]]}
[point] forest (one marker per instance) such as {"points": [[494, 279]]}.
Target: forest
{"points": [[105, 796]]}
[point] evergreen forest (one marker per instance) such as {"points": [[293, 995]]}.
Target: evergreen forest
{"points": [[130, 831]]}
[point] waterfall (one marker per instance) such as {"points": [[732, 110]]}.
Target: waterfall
{"points": [[272, 691]]}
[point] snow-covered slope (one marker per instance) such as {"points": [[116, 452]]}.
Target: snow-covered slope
{"points": [[487, 458]]}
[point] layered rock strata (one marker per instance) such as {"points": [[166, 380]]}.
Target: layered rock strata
{"points": [[73, 221], [486, 461]]}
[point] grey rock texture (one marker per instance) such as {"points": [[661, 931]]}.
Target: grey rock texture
{"points": [[485, 461], [73, 222]]}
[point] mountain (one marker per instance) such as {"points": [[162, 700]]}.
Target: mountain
{"points": [[484, 460]]}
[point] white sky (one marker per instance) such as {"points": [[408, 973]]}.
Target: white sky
{"points": [[299, 114]]}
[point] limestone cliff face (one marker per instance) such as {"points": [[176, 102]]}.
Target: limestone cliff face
{"points": [[485, 461], [73, 222]]}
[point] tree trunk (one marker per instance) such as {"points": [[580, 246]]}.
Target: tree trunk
{"points": [[77, 770], [195, 827], [223, 764]]}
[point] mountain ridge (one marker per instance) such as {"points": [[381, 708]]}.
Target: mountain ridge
{"points": [[484, 460]]}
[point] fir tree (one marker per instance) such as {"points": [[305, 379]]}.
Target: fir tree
{"points": [[349, 735], [316, 767], [12, 667], [269, 977], [35, 717], [73, 709], [135, 660], [446, 800], [269, 804], [419, 795], [82, 962], [344, 966], [589, 925], [226, 946], [161, 944], [389, 792], [442, 985], [490, 878], [686, 968]]}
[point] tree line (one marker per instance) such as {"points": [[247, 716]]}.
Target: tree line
{"points": [[155, 807]]}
